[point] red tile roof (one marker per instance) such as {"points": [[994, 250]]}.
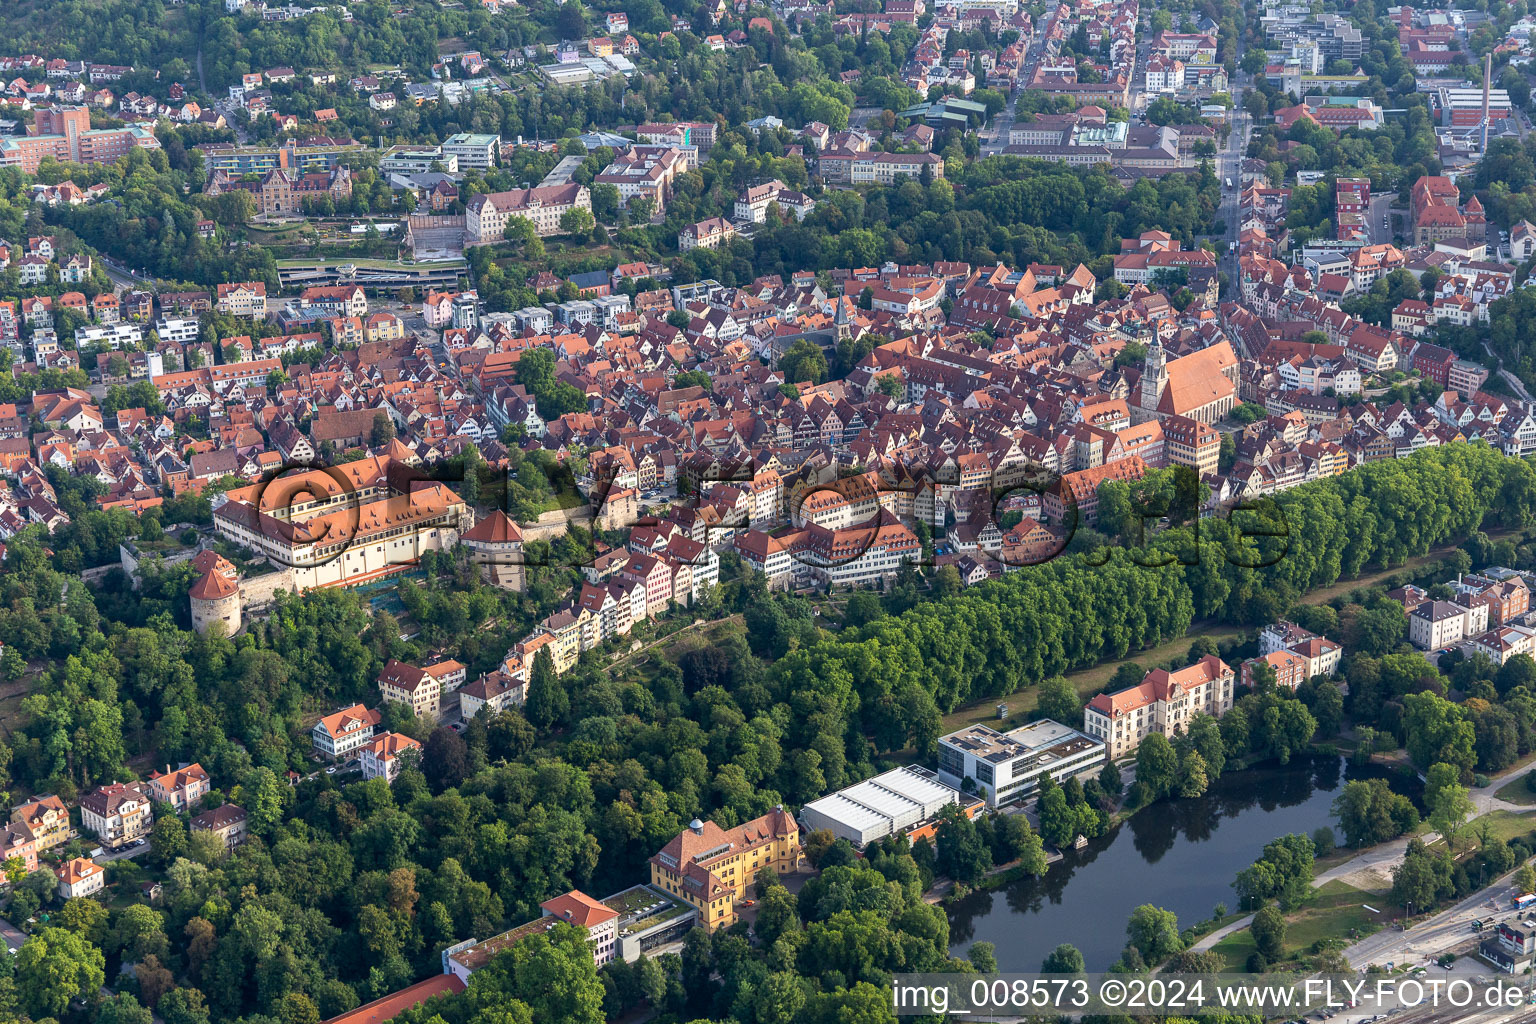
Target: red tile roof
{"points": [[396, 1003]]}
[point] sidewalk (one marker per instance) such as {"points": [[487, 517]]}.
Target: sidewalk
{"points": [[1386, 855]]}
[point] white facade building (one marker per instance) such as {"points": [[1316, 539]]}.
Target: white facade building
{"points": [[1003, 767], [888, 804]]}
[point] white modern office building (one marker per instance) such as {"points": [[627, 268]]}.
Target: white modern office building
{"points": [[1007, 766]]}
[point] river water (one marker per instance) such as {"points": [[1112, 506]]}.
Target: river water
{"points": [[1182, 855]]}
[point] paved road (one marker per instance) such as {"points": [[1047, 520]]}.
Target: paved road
{"points": [[1449, 927], [1509, 378], [123, 278], [128, 852], [1003, 123], [1385, 855], [1440, 933], [1229, 162], [1378, 218], [1002, 126]]}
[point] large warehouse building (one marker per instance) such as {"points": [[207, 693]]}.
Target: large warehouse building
{"points": [[901, 800]]}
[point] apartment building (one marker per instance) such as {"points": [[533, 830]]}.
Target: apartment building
{"points": [[247, 299], [334, 301], [495, 690], [775, 556], [706, 234], [46, 819], [79, 878], [1290, 669], [384, 756], [1501, 643], [1162, 702], [16, 841], [1507, 598], [1079, 491], [1321, 655], [1190, 442], [338, 735], [225, 823], [1008, 766], [889, 168], [471, 150], [412, 686], [1435, 625], [183, 788], [485, 219], [856, 555], [117, 814]]}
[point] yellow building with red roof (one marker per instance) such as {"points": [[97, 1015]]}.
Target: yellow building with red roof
{"points": [[713, 868]]}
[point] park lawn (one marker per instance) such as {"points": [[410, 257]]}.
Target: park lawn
{"points": [[1505, 825], [1336, 911], [1235, 950], [1516, 793]]}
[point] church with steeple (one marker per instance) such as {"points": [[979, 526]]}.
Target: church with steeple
{"points": [[1201, 385]]}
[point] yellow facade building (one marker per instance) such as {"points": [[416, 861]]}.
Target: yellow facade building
{"points": [[714, 868]]}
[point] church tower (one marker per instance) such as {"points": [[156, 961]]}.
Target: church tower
{"points": [[1154, 379], [840, 322]]}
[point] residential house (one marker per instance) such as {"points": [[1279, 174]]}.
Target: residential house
{"points": [[338, 735], [225, 823]]}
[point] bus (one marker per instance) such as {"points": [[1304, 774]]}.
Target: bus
{"points": [[1527, 900], [1229, 183]]}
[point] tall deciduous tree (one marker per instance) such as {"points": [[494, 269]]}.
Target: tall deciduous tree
{"points": [[54, 967]]}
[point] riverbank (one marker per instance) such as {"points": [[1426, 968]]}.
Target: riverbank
{"points": [[1001, 875], [1351, 891], [1183, 857]]}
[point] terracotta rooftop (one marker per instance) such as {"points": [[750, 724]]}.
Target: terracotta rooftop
{"points": [[393, 1005]]}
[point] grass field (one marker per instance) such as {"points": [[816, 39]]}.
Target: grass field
{"points": [[1516, 793], [368, 264], [1336, 911], [1505, 825]]}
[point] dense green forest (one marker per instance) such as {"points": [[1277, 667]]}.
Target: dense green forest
{"points": [[599, 770]]}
